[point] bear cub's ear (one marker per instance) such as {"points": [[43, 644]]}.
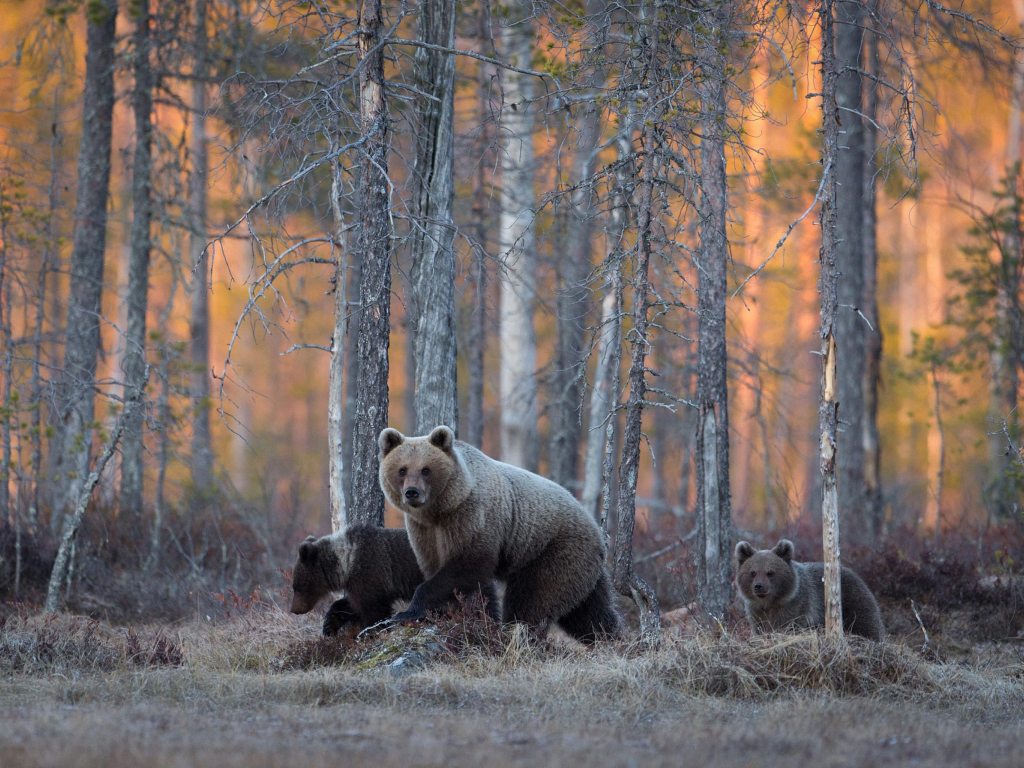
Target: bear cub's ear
{"points": [[784, 549], [442, 437], [307, 550], [743, 552], [389, 440]]}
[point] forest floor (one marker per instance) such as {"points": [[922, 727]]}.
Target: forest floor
{"points": [[262, 689]]}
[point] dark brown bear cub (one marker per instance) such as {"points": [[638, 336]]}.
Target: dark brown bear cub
{"points": [[782, 594], [374, 566]]}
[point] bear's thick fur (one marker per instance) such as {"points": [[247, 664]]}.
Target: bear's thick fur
{"points": [[374, 566], [780, 593], [472, 519]]}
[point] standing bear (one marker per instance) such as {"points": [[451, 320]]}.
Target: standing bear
{"points": [[472, 519], [780, 593], [374, 566]]}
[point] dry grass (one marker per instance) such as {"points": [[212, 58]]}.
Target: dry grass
{"points": [[263, 689]]}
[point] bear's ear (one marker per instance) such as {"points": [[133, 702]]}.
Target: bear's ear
{"points": [[307, 550], [784, 549], [743, 552], [442, 437], [389, 440]]}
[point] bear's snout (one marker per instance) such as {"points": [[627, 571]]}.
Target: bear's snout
{"points": [[413, 496], [760, 589]]}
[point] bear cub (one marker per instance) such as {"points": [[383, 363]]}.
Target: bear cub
{"points": [[374, 566], [780, 593]]}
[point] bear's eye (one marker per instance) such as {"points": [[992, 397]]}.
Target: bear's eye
{"points": [[402, 472], [770, 573], [425, 471]]}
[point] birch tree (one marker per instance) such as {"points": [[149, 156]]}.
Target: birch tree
{"points": [[516, 244], [433, 197]]}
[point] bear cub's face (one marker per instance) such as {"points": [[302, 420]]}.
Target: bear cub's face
{"points": [[309, 581], [415, 470], [765, 575]]}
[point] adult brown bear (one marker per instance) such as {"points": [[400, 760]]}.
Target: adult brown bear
{"points": [[472, 519]]}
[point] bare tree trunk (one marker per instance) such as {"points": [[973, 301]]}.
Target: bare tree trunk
{"points": [[7, 410], [571, 309], [478, 325], [604, 396], [850, 328], [336, 383], [76, 390], [132, 465], [354, 283], [45, 266], [374, 249], [873, 504], [518, 342], [828, 404], [714, 518], [942, 451], [626, 581], [71, 525], [433, 254], [199, 326]]}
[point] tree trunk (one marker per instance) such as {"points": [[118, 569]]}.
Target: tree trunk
{"points": [[478, 324], [8, 411], [626, 581], [374, 249], [433, 254], [518, 342], [714, 517], [353, 286], [336, 384], [76, 389], [132, 465], [571, 309], [65, 551], [941, 470], [850, 328], [873, 505], [199, 326], [828, 404]]}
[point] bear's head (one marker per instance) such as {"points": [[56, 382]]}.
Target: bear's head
{"points": [[314, 575], [415, 472], [767, 574]]}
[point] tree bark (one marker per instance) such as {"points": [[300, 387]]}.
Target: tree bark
{"points": [[714, 517], [336, 380], [374, 249], [73, 522], [571, 309], [132, 465], [874, 511], [850, 328], [433, 254], [518, 342], [626, 581], [828, 404], [199, 326], [76, 388]]}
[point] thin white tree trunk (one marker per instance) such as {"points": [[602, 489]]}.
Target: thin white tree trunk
{"points": [[336, 384], [518, 341]]}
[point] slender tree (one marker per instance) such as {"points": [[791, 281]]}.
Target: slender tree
{"points": [[132, 464], [336, 382], [76, 388], [374, 252], [850, 328], [828, 403], [516, 243], [712, 447], [433, 198], [199, 323]]}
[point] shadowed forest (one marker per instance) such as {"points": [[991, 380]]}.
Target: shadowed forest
{"points": [[727, 270]]}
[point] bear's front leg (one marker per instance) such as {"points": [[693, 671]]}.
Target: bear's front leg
{"points": [[462, 576], [338, 615]]}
